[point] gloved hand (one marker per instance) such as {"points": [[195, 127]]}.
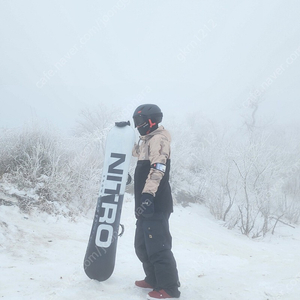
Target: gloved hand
{"points": [[147, 205]]}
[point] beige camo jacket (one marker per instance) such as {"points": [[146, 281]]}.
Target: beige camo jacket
{"points": [[154, 147]]}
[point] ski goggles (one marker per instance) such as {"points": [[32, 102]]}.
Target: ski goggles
{"points": [[139, 120]]}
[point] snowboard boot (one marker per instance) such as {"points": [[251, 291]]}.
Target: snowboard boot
{"points": [[161, 294], [143, 284]]}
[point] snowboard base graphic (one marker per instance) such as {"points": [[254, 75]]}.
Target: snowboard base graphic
{"points": [[99, 260]]}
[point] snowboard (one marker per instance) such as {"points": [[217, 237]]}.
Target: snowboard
{"points": [[99, 260]]}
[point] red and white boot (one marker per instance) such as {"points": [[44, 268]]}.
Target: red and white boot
{"points": [[162, 294], [143, 284]]}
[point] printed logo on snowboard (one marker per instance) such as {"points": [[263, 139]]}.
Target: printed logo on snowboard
{"points": [[108, 209]]}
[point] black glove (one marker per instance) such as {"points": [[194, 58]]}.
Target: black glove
{"points": [[147, 205]]}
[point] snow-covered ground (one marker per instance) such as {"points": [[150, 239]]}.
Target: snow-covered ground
{"points": [[42, 258]]}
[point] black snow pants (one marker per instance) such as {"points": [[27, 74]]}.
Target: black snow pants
{"points": [[153, 243]]}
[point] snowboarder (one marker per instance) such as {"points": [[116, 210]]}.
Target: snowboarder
{"points": [[154, 204]]}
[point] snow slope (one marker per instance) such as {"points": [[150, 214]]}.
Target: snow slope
{"points": [[41, 258]]}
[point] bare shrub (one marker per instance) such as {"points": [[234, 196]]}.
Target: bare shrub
{"points": [[49, 168], [248, 178]]}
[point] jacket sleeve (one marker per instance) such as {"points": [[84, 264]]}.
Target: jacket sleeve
{"points": [[135, 150], [159, 152]]}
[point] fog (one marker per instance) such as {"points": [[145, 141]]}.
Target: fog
{"points": [[215, 57]]}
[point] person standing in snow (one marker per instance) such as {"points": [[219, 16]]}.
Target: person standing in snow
{"points": [[154, 204]]}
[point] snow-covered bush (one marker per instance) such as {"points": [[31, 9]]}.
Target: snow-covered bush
{"points": [[248, 178], [196, 158], [8, 143], [44, 168]]}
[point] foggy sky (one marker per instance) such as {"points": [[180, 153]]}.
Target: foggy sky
{"points": [[216, 57]]}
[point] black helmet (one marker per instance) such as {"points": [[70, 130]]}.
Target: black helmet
{"points": [[146, 118]]}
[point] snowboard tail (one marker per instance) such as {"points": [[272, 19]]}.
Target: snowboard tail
{"points": [[99, 261]]}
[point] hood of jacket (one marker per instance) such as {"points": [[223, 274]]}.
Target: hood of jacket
{"points": [[159, 131]]}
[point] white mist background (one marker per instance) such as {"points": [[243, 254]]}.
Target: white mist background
{"points": [[58, 58]]}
